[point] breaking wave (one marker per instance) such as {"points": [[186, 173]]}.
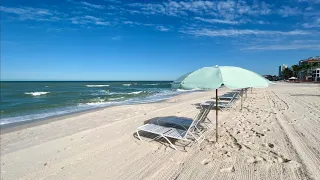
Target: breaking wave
{"points": [[98, 85], [36, 93]]}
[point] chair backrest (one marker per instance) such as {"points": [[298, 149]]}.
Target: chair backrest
{"points": [[205, 113], [200, 114]]}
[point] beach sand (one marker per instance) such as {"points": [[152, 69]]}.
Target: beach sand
{"points": [[275, 136]]}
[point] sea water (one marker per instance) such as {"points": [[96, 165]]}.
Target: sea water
{"points": [[25, 101]]}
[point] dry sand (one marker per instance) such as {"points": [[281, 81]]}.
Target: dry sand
{"points": [[275, 136]]}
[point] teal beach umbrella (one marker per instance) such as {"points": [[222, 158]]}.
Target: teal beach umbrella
{"points": [[213, 77]]}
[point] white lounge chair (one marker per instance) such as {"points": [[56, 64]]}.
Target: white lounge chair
{"points": [[177, 129], [229, 96], [225, 101], [221, 104], [168, 132]]}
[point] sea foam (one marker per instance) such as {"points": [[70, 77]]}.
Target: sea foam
{"points": [[113, 99], [136, 92], [36, 93], [189, 90], [98, 85]]}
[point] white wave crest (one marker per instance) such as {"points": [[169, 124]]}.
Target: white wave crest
{"points": [[98, 85], [137, 92], [96, 103], [190, 90], [99, 104], [151, 84], [126, 84], [113, 99], [37, 93]]}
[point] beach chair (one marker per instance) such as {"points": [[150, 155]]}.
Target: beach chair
{"points": [[199, 120], [222, 104], [176, 129], [229, 96]]}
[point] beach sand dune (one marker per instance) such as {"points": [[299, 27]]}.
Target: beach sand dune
{"points": [[275, 136]]}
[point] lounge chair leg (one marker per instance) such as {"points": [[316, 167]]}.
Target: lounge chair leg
{"points": [[197, 129], [209, 120], [139, 135], [169, 142], [202, 138]]}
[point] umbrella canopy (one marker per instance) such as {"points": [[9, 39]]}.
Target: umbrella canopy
{"points": [[214, 77]]}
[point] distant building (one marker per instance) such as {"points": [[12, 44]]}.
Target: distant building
{"points": [[281, 69], [316, 74], [311, 73]]}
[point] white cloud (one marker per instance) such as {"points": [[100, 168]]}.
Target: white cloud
{"points": [[104, 23], [287, 11], [229, 9], [285, 44], [131, 23], [113, 1], [30, 13], [262, 22], [213, 21], [310, 1], [97, 6], [243, 32], [203, 14], [156, 26], [54, 29], [313, 24], [285, 47], [116, 38], [162, 28], [229, 12], [89, 20], [309, 41]]}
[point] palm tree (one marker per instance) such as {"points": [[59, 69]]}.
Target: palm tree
{"points": [[287, 73], [309, 70], [295, 69], [315, 65], [304, 70]]}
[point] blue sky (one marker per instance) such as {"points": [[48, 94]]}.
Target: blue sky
{"points": [[152, 40]]}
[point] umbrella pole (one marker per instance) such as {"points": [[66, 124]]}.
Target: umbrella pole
{"points": [[216, 115], [241, 98]]}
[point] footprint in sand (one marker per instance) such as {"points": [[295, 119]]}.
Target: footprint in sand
{"points": [[205, 161], [228, 170], [294, 164]]}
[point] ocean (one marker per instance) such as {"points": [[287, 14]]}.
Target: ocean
{"points": [[25, 101]]}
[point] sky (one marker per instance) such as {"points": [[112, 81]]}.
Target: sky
{"points": [[152, 40]]}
